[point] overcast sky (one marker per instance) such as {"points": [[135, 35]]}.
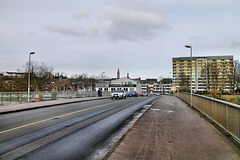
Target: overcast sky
{"points": [[136, 36]]}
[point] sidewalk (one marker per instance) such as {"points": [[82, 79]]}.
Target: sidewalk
{"points": [[28, 106], [172, 130]]}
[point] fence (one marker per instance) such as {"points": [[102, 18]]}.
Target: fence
{"points": [[21, 97], [223, 113]]}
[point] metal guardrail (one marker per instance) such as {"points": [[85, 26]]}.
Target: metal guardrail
{"points": [[21, 97], [224, 114]]}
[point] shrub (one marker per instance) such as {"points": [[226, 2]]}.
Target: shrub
{"points": [[40, 97], [231, 98]]}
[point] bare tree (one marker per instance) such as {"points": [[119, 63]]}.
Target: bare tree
{"points": [[220, 77], [213, 74], [40, 75], [43, 75], [202, 79], [160, 78], [83, 81], [184, 81], [236, 76], [223, 79]]}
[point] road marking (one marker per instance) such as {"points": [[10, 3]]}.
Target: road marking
{"points": [[30, 124]]}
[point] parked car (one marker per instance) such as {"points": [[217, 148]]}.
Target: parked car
{"points": [[145, 93], [132, 94], [118, 94], [139, 93]]}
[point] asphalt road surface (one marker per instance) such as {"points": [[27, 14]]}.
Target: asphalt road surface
{"points": [[71, 131]]}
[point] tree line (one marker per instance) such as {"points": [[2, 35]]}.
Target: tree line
{"points": [[43, 78]]}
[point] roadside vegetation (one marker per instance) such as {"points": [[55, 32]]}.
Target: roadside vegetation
{"points": [[13, 99], [229, 98]]}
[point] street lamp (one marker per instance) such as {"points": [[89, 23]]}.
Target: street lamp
{"points": [[102, 78], [187, 46], [177, 84], [29, 74]]}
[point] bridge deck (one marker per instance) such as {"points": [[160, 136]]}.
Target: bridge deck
{"points": [[172, 130]]}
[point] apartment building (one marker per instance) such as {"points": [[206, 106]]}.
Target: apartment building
{"points": [[152, 86], [208, 73], [166, 86], [12, 81]]}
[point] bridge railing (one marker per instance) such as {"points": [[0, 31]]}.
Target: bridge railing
{"points": [[21, 97], [224, 114]]}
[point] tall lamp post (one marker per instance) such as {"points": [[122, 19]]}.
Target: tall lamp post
{"points": [[177, 84], [102, 79], [29, 62], [187, 46]]}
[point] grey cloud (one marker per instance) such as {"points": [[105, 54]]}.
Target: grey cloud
{"points": [[235, 43], [131, 24], [94, 30], [67, 30], [81, 14]]}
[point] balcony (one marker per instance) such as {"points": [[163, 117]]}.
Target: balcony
{"points": [[122, 85]]}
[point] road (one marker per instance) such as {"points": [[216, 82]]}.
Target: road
{"points": [[69, 131]]}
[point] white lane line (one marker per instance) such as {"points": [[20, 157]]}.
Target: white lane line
{"points": [[30, 124]]}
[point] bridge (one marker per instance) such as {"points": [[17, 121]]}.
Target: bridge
{"points": [[173, 130], [166, 127]]}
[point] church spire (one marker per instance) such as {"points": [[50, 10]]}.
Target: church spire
{"points": [[118, 74]]}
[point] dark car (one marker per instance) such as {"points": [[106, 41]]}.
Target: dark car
{"points": [[132, 94]]}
